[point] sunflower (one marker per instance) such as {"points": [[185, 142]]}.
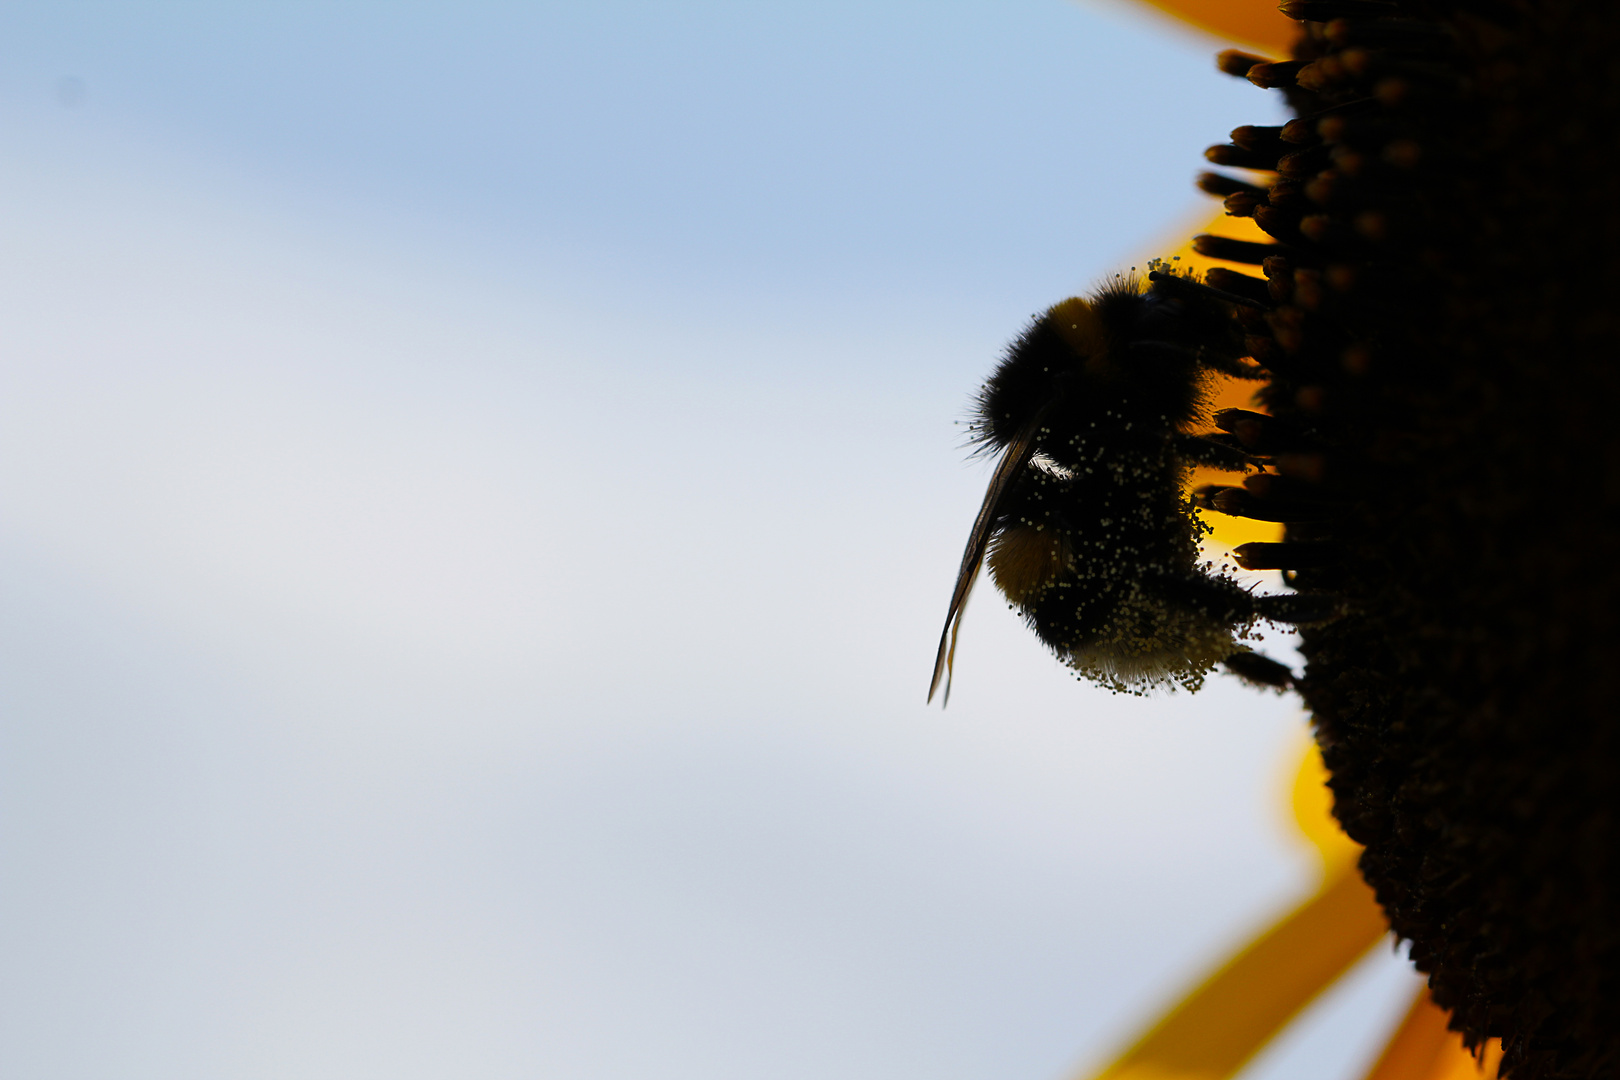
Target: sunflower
{"points": [[1231, 1014], [1419, 257]]}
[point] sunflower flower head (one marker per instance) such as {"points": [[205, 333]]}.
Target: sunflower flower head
{"points": [[1440, 330], [1416, 262]]}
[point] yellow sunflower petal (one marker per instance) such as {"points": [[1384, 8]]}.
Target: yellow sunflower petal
{"points": [[1222, 224], [1242, 22], [1313, 813], [1423, 1049], [1458, 1064], [1220, 1025], [1229, 393]]}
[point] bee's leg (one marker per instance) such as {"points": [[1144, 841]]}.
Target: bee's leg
{"points": [[1259, 670], [1166, 351], [1220, 600], [1172, 283], [1262, 434], [1244, 285], [1293, 555], [1235, 366], [1204, 356], [1201, 450], [1299, 608], [1224, 601], [1267, 497]]}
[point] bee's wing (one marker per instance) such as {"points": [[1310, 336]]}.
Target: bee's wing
{"points": [[1012, 463]]}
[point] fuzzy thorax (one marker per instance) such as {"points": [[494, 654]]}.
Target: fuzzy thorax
{"points": [[1082, 330]]}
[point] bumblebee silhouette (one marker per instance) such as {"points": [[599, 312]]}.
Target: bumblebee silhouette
{"points": [[1085, 525]]}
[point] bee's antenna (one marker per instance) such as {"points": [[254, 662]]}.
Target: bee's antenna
{"points": [[1181, 284]]}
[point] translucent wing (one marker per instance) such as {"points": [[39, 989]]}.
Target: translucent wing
{"points": [[1012, 463]]}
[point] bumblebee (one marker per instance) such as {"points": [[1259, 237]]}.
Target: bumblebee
{"points": [[1085, 525]]}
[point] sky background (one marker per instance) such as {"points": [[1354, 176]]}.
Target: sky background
{"points": [[479, 488]]}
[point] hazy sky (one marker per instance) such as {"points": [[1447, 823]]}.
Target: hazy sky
{"points": [[479, 486]]}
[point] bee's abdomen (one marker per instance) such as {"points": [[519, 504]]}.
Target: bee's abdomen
{"points": [[1026, 559]]}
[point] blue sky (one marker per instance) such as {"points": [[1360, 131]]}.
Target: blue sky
{"points": [[479, 486]]}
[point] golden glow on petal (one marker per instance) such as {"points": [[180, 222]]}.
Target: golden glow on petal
{"points": [[1220, 1025], [1313, 813], [1223, 224], [1229, 393], [1241, 22], [1458, 1064], [1422, 1049]]}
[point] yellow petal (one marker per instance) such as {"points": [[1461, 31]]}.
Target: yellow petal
{"points": [[1313, 813], [1217, 1027], [1222, 224], [1241, 22], [1458, 1064], [1228, 393], [1422, 1049]]}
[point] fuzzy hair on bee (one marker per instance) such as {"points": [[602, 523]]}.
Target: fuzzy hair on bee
{"points": [[1085, 526]]}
